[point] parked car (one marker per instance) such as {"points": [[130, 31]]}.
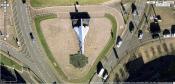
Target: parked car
{"points": [[119, 41], [101, 71], [31, 36], [131, 26], [103, 74], [173, 31], [23, 1], [166, 33], [155, 36], [140, 34], [119, 44], [134, 9]]}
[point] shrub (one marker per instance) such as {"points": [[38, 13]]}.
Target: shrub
{"points": [[78, 60]]}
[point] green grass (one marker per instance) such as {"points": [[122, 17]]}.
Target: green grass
{"points": [[44, 3], [104, 52], [9, 62], [78, 60]]}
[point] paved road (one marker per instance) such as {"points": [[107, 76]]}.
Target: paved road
{"points": [[12, 51], [32, 55], [130, 40], [36, 60], [94, 11]]}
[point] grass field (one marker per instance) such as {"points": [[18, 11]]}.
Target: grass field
{"points": [[8, 62], [44, 3], [104, 52]]}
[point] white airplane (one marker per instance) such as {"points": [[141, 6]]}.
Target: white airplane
{"points": [[81, 32]]}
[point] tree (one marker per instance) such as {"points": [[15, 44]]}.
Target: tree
{"points": [[78, 60]]}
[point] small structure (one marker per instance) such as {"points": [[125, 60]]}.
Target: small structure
{"points": [[80, 23]]}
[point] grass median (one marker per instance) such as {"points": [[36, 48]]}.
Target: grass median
{"points": [[45, 3], [104, 52], [4, 60]]}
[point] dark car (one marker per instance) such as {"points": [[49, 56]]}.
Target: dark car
{"points": [[31, 36], [131, 26], [155, 36], [166, 33], [134, 9], [173, 31], [23, 1], [155, 28]]}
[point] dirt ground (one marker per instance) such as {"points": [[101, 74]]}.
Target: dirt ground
{"points": [[62, 41], [167, 15]]}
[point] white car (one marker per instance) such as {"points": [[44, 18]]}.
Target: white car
{"points": [[140, 34], [103, 74], [119, 43]]}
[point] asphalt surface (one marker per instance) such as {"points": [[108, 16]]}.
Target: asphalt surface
{"points": [[33, 56], [130, 40]]}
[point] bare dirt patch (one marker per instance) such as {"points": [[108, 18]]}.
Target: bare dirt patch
{"points": [[167, 15], [62, 41]]}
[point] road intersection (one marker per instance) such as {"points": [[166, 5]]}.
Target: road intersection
{"points": [[32, 55], [34, 58]]}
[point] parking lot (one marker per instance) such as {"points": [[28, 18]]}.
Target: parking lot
{"points": [[167, 15], [7, 27]]}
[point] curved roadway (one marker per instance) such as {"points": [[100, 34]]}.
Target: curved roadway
{"points": [[37, 60]]}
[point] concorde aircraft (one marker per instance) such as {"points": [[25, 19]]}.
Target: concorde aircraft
{"points": [[81, 32]]}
